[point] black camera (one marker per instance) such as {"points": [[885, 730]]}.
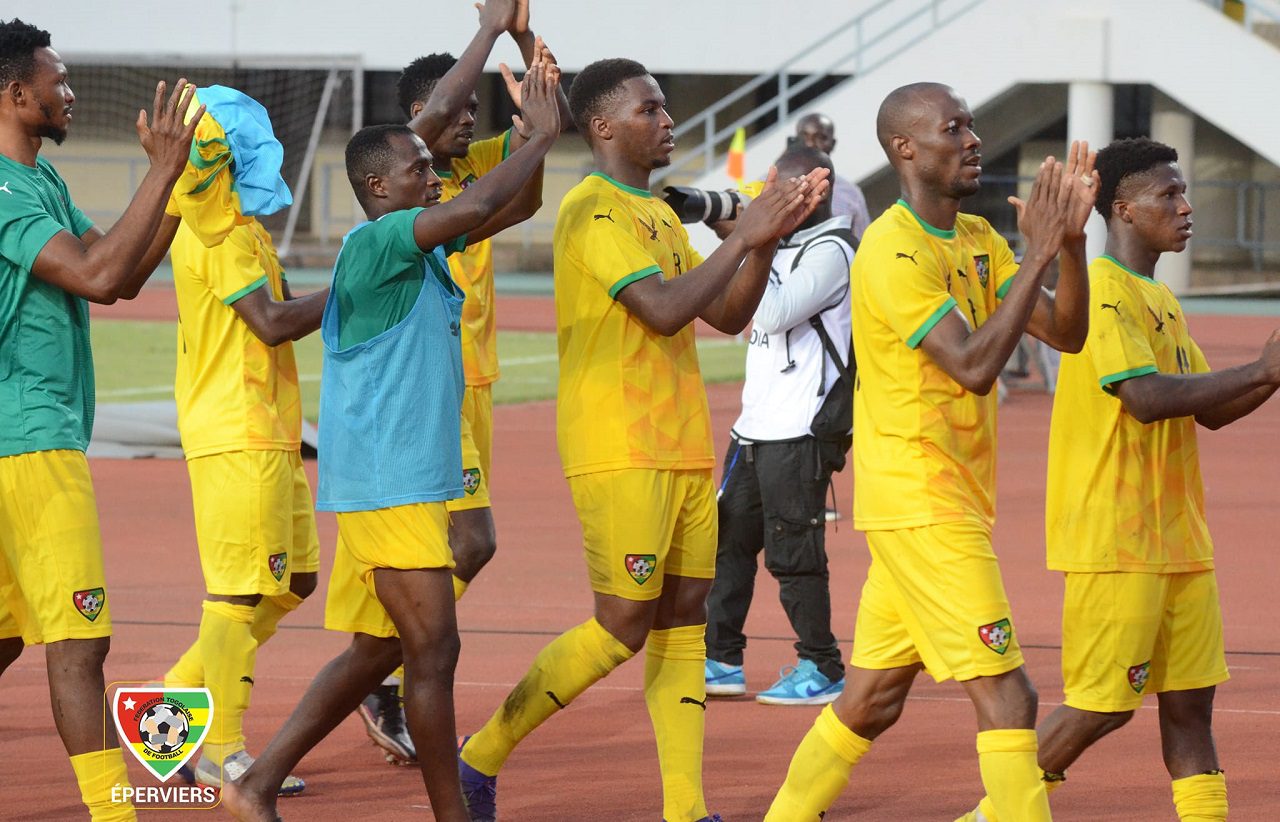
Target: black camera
{"points": [[694, 205]]}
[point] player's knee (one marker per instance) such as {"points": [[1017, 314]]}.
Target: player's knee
{"points": [[1108, 722], [870, 714], [431, 654], [302, 585]]}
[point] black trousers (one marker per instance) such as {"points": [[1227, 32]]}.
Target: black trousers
{"points": [[772, 500]]}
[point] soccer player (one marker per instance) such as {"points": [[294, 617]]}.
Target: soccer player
{"points": [[53, 259], [240, 419], [633, 428], [390, 444], [1140, 614], [437, 94], [938, 306]]}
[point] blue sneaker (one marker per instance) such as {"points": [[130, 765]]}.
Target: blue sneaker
{"points": [[724, 680], [802, 684], [479, 791]]}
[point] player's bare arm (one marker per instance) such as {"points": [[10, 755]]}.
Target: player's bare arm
{"points": [[533, 50], [489, 194], [277, 321], [1214, 399], [155, 253], [529, 199], [975, 357], [1062, 319], [109, 266], [666, 306], [456, 87]]}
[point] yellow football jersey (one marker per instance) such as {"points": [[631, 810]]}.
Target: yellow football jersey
{"points": [[629, 397], [473, 269], [1121, 495], [234, 391], [923, 446]]}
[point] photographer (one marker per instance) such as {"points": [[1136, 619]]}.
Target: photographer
{"points": [[776, 471]]}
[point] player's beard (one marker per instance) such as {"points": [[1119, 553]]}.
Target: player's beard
{"points": [[48, 129]]}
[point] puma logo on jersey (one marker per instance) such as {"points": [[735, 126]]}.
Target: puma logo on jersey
{"points": [[1115, 308], [1156, 317], [912, 257], [5, 187], [606, 216], [652, 228], [963, 275]]}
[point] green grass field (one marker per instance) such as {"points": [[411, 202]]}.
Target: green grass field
{"points": [[135, 361]]}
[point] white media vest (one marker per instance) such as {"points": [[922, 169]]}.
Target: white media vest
{"points": [[788, 373]]}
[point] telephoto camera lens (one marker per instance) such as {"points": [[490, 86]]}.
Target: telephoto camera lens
{"points": [[693, 205]]}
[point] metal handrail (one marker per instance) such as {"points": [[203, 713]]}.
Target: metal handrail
{"points": [[781, 103]]}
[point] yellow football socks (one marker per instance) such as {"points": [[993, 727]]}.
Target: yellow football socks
{"points": [[1007, 760], [819, 770], [188, 671], [269, 612], [573, 662], [97, 772], [1201, 798], [459, 588], [229, 651], [675, 690], [986, 811]]}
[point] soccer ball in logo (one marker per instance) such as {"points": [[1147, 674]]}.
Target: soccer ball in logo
{"points": [[91, 603], [163, 728]]}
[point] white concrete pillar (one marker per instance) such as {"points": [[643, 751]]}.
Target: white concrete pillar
{"points": [[1090, 117], [1173, 125]]}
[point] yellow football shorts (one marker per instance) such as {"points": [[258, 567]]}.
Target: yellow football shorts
{"points": [[934, 595], [1125, 635], [640, 525], [255, 522], [405, 537], [477, 448], [51, 581]]}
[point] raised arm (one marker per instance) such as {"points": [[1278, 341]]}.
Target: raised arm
{"points": [[725, 289], [1215, 399], [1062, 319], [488, 195], [456, 87], [105, 267], [974, 357]]}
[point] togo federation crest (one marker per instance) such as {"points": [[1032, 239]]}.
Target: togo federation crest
{"points": [[89, 602], [470, 480], [1138, 676], [640, 566], [982, 265], [996, 635], [162, 727], [277, 563]]}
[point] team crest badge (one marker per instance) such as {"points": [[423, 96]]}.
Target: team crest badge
{"points": [[467, 181], [1138, 676], [640, 566], [470, 480], [89, 602], [982, 263], [162, 727], [278, 563], [996, 635]]}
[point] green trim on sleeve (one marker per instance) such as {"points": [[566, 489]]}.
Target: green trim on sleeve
{"points": [[631, 278], [1004, 289], [248, 289], [937, 232], [1108, 382], [506, 144], [915, 339], [639, 192]]}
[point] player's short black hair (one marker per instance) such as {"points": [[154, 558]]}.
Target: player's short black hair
{"points": [[18, 44], [419, 78], [1126, 158], [800, 156], [369, 151], [597, 85]]}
